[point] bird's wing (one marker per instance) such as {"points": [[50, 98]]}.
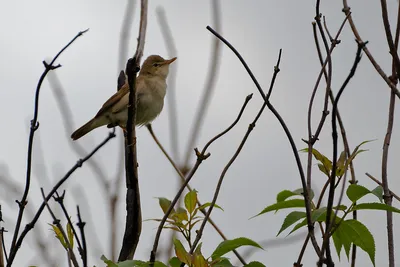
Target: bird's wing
{"points": [[123, 102], [114, 100]]}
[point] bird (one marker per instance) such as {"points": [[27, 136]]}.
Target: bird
{"points": [[151, 86]]}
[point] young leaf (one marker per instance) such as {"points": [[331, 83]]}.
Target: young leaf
{"points": [[229, 245], [355, 153], [164, 204], [292, 203], [378, 192], [359, 234], [190, 201], [206, 205], [198, 258], [180, 215], [254, 264], [375, 206], [59, 235], [322, 168], [70, 234], [290, 219], [341, 164], [355, 192], [181, 252], [321, 158]]}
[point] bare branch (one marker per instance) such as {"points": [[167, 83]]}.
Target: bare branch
{"points": [[34, 126], [133, 225]]}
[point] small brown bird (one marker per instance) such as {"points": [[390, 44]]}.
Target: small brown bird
{"points": [[151, 88]]}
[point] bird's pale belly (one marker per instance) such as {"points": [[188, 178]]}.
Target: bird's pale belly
{"points": [[144, 114]]}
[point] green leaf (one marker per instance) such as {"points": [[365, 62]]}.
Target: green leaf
{"points": [[181, 252], [254, 264], [337, 242], [174, 262], [164, 204], [355, 192], [222, 262], [375, 206], [198, 258], [290, 219], [292, 203], [359, 234], [340, 207], [318, 215], [340, 240], [283, 195], [191, 201], [378, 192], [300, 192], [229, 245]]}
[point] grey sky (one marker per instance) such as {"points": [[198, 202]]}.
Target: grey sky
{"points": [[36, 30]]}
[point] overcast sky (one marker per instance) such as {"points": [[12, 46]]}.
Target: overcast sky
{"points": [[36, 30]]}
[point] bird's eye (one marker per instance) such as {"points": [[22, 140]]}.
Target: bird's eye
{"points": [[156, 64]]}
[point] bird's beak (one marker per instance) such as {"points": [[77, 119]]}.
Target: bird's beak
{"points": [[169, 61]]}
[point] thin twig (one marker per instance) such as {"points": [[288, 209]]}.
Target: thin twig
{"points": [[34, 126], [392, 48], [346, 10], [380, 183], [236, 154], [30, 225], [201, 156], [328, 223], [199, 204], [133, 225], [56, 222], [213, 71], [81, 226], [60, 200]]}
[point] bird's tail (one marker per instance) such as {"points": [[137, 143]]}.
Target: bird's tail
{"points": [[90, 125]]}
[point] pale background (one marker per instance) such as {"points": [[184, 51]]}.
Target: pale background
{"points": [[32, 31]]}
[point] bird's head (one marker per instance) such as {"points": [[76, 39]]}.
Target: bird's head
{"points": [[156, 66]]}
